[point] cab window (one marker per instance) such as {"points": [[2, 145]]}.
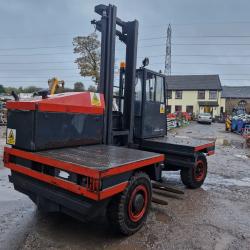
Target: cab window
{"points": [[150, 87], [159, 90], [154, 88]]}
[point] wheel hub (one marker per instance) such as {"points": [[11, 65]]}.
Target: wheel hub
{"points": [[138, 203], [199, 171]]}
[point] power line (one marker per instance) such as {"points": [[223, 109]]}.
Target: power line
{"points": [[160, 55], [31, 48], [206, 44], [144, 46], [195, 23], [63, 46], [84, 79], [212, 36], [43, 69], [152, 38], [143, 38], [10, 63], [39, 54], [35, 77], [210, 55], [205, 63], [194, 36], [181, 73], [40, 81]]}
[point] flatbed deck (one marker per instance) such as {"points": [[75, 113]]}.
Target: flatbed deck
{"points": [[96, 171], [98, 157], [181, 152], [175, 144]]}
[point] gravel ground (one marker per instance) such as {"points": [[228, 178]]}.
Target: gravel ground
{"points": [[216, 216]]}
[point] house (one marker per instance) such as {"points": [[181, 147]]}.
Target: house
{"points": [[235, 96], [194, 94]]}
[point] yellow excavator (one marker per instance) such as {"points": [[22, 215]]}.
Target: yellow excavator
{"points": [[54, 84]]}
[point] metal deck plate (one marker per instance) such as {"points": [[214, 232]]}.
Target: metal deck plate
{"points": [[180, 141], [100, 157]]}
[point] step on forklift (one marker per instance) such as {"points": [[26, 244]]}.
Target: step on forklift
{"points": [[73, 153]]}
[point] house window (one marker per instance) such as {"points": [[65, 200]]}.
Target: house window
{"points": [[178, 94], [213, 94], [169, 94], [178, 108], [190, 109], [201, 94], [169, 109]]}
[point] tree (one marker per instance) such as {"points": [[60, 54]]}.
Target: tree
{"points": [[78, 87], [92, 88], [2, 89], [8, 90], [31, 89], [68, 90], [88, 47]]}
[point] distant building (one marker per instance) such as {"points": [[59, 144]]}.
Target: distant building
{"points": [[232, 97], [194, 94]]}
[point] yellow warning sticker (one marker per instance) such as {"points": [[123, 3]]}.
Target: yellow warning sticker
{"points": [[162, 109], [11, 136], [95, 99]]}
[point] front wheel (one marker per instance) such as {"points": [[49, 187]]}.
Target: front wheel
{"points": [[194, 177], [128, 211]]}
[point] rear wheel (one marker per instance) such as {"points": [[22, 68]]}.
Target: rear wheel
{"points": [[128, 211], [194, 177]]}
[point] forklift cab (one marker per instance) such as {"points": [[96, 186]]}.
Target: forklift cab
{"points": [[149, 106]]}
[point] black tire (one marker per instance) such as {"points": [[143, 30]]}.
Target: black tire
{"points": [[119, 210], [195, 176]]}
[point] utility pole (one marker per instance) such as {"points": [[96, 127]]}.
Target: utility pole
{"points": [[167, 69]]}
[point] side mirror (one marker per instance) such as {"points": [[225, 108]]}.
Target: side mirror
{"points": [[145, 62]]}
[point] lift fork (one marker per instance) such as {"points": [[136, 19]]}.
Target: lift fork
{"points": [[163, 187]]}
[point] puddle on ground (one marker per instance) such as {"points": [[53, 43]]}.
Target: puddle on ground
{"points": [[182, 136], [226, 142], [242, 156], [162, 217], [219, 180]]}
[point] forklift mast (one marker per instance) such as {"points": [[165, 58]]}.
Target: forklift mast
{"points": [[128, 34]]}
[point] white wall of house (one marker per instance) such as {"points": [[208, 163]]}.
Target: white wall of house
{"points": [[190, 98]]}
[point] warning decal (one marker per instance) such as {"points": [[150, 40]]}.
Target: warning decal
{"points": [[11, 136], [162, 109], [95, 99]]}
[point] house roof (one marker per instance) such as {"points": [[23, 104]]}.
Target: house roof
{"points": [[193, 82], [235, 92]]}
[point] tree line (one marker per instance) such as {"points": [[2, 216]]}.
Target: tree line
{"points": [[78, 87]]}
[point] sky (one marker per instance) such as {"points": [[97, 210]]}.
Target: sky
{"points": [[208, 37]]}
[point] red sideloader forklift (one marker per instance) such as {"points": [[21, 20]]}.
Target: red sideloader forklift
{"points": [[73, 153]]}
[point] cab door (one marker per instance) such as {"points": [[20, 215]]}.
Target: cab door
{"points": [[154, 110]]}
